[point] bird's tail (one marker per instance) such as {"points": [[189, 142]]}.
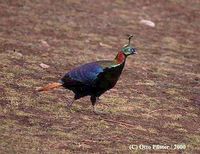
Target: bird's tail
{"points": [[50, 86]]}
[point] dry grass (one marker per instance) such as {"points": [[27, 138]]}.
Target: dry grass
{"points": [[156, 100]]}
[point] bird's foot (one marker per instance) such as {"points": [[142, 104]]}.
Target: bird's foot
{"points": [[97, 112], [69, 105], [98, 99]]}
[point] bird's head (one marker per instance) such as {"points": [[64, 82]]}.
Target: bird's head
{"points": [[128, 49]]}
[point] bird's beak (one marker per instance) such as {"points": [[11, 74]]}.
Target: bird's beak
{"points": [[134, 52]]}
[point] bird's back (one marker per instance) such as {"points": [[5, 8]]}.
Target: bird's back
{"points": [[93, 78], [85, 74]]}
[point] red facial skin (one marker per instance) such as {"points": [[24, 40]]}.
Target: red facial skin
{"points": [[120, 57]]}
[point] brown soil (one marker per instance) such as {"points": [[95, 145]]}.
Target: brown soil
{"points": [[156, 101]]}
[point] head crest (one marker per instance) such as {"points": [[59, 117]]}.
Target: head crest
{"points": [[128, 49], [129, 40]]}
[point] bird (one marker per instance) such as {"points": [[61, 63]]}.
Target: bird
{"points": [[95, 78]]}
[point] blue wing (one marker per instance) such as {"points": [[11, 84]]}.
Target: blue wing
{"points": [[85, 74]]}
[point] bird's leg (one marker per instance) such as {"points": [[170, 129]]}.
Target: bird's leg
{"points": [[69, 105], [94, 109], [93, 100], [75, 98]]}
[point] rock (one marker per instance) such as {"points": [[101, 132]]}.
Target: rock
{"points": [[105, 45], [44, 43], [18, 54], [44, 65], [148, 23]]}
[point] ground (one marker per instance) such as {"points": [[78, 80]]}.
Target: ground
{"points": [[156, 100]]}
